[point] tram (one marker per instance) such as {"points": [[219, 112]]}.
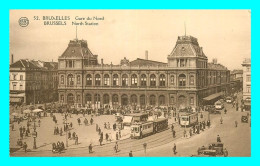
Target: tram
{"points": [[142, 129], [188, 119]]}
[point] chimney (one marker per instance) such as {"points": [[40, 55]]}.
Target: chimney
{"points": [[102, 61], [215, 61], [12, 58], [146, 55]]}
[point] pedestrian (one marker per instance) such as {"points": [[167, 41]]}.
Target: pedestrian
{"points": [[25, 147], [54, 131], [86, 121], [116, 135], [12, 126], [184, 133], [105, 125], [190, 132], [96, 127], [131, 154], [119, 133], [39, 123], [114, 127], [60, 131], [21, 135], [116, 147], [79, 121], [70, 124], [90, 148], [218, 139], [221, 120], [24, 129], [73, 135], [174, 149], [99, 131], [236, 123], [108, 125], [69, 135], [173, 133], [225, 111], [172, 127], [107, 137], [91, 121], [100, 141], [225, 152], [76, 140]]}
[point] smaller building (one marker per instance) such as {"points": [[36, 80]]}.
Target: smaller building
{"points": [[33, 81], [247, 83], [236, 81]]}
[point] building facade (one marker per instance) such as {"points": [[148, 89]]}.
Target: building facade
{"points": [[185, 80], [247, 79], [33, 82], [236, 80]]}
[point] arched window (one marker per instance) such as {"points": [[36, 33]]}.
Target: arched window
{"points": [[97, 80], [162, 100], [96, 98], [115, 99], [152, 80], [152, 100], [89, 80], [133, 100], [106, 99], [62, 79], [62, 98], [191, 80], [106, 80], [70, 99], [134, 80], [172, 80], [115, 80], [78, 99], [143, 80], [172, 101], [182, 80], [162, 80], [88, 99], [124, 80], [124, 100], [142, 100], [78, 79], [70, 80]]}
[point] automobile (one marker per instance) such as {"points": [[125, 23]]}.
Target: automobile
{"points": [[219, 105], [213, 149], [244, 119], [229, 100]]}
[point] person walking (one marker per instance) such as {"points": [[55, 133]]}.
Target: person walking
{"points": [[39, 123], [116, 135], [76, 140], [174, 149], [90, 148], [221, 120], [107, 137], [91, 121], [116, 147], [131, 154], [25, 147], [173, 133], [218, 139], [236, 123]]}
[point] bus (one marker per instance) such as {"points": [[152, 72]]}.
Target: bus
{"points": [[188, 119]]}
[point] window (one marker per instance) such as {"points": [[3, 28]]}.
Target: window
{"points": [[142, 100], [78, 98], [153, 80], [89, 80], [70, 80], [78, 79], [172, 79], [248, 88], [97, 98], [97, 80], [152, 100], [106, 99], [62, 79], [134, 80], [143, 80], [162, 100], [14, 86], [192, 101], [133, 99], [124, 80], [248, 78], [88, 98], [106, 80], [162, 80], [21, 86], [14, 76], [115, 100], [182, 80], [182, 63], [191, 80], [62, 98], [21, 77], [115, 80], [70, 63], [172, 100]]}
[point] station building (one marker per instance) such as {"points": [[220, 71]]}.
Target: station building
{"points": [[187, 79]]}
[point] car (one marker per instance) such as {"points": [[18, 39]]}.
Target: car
{"points": [[244, 119], [229, 100]]}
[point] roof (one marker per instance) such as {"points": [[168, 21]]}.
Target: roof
{"points": [[136, 114], [145, 62], [187, 46], [216, 66], [77, 49], [24, 63]]}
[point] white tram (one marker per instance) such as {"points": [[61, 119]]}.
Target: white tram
{"points": [[142, 129]]}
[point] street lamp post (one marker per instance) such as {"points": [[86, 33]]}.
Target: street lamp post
{"points": [[34, 136]]}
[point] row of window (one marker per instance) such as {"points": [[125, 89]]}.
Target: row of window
{"points": [[124, 99], [15, 77], [134, 80]]}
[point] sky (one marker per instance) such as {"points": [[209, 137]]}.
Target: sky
{"points": [[223, 34]]}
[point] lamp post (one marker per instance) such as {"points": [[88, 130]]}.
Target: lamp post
{"points": [[34, 136]]}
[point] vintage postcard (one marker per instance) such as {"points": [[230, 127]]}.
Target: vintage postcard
{"points": [[130, 83]]}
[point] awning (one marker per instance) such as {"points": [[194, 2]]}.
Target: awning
{"points": [[213, 96], [15, 100], [127, 119]]}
